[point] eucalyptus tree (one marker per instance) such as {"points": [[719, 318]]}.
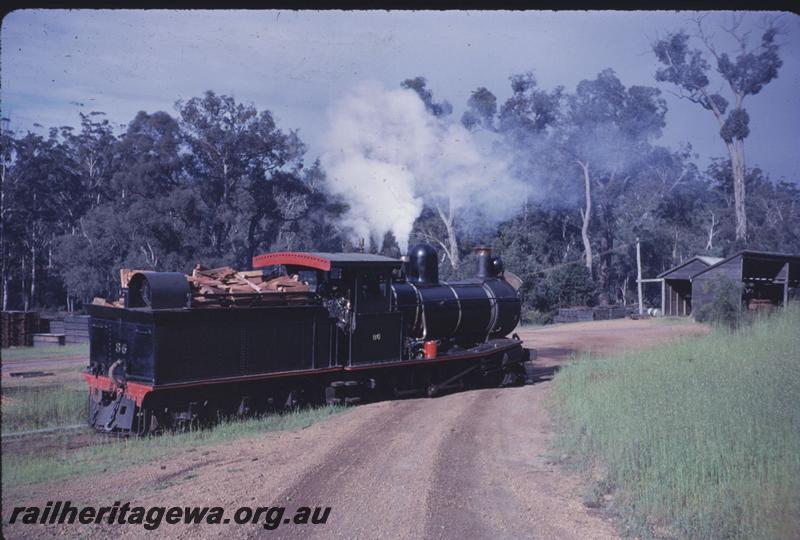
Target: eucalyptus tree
{"points": [[481, 110], [419, 85], [145, 220], [7, 151], [605, 140], [234, 152], [746, 69], [92, 155], [44, 181]]}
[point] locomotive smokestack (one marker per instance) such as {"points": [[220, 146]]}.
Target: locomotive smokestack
{"points": [[423, 265], [484, 255]]}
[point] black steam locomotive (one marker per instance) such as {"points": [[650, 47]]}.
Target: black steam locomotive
{"points": [[369, 327]]}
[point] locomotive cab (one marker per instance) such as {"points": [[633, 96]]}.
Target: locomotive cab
{"points": [[355, 287]]}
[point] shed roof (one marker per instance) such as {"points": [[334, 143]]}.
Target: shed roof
{"points": [[710, 260], [751, 254], [705, 259], [324, 261]]}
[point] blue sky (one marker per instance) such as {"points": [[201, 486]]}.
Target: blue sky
{"points": [[298, 64]]}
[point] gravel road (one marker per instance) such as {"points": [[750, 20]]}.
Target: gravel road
{"points": [[475, 464]]}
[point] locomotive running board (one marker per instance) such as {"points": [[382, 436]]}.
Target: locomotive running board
{"points": [[439, 359], [434, 388]]}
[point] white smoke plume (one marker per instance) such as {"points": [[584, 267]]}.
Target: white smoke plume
{"points": [[388, 157]]}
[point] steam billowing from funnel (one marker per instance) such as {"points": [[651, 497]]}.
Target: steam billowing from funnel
{"points": [[387, 156]]}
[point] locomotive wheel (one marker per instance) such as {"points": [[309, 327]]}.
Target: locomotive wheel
{"points": [[292, 400], [343, 393], [331, 397]]}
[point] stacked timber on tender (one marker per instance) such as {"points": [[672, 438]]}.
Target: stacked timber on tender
{"points": [[211, 286], [223, 286]]}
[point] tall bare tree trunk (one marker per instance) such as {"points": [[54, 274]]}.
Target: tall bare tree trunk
{"points": [[33, 274], [23, 285], [448, 218], [711, 233], [736, 151], [586, 214], [675, 248]]}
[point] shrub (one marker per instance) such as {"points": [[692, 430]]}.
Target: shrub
{"points": [[569, 285], [537, 317], [726, 307]]}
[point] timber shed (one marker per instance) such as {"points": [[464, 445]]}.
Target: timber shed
{"points": [[676, 284], [767, 277]]}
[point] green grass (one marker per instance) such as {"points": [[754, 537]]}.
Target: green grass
{"points": [[55, 351], [697, 439], [672, 321], [114, 454], [35, 407]]}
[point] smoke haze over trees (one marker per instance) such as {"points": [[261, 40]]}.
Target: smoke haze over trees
{"points": [[561, 181]]}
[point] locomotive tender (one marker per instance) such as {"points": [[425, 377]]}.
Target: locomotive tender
{"points": [[369, 327]]}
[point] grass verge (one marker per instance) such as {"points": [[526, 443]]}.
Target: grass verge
{"points": [[697, 439], [59, 463], [34, 407]]}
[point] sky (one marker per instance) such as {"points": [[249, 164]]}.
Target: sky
{"points": [[299, 64]]}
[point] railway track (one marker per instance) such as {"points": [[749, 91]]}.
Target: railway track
{"points": [[54, 439], [43, 431]]}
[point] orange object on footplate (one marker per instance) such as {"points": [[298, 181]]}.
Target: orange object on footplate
{"points": [[430, 349]]}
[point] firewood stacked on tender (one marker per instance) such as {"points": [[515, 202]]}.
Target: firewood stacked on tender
{"points": [[98, 301], [211, 284], [224, 285]]}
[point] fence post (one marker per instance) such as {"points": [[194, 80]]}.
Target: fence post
{"points": [[639, 275]]}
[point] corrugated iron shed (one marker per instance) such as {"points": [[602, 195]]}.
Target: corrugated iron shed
{"points": [[767, 277], [676, 284]]}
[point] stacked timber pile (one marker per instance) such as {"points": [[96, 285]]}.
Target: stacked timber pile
{"points": [[54, 324], [47, 339], [574, 314], [50, 331], [602, 313], [18, 328], [76, 329], [226, 285]]}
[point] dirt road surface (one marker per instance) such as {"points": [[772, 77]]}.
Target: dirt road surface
{"points": [[475, 464]]}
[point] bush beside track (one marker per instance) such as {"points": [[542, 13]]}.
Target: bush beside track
{"points": [[696, 439]]}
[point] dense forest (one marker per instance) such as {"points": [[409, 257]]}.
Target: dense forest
{"points": [[217, 181]]}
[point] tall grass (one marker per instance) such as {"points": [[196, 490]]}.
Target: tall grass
{"points": [[33, 407], [697, 439], [59, 463]]}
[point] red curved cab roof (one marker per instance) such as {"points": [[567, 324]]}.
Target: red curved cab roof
{"points": [[323, 261]]}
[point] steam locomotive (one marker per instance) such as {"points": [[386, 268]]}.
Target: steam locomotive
{"points": [[370, 327]]}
